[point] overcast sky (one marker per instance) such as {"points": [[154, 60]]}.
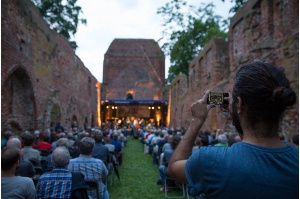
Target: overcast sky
{"points": [[110, 19]]}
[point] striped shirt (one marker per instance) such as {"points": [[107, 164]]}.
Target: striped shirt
{"points": [[91, 168], [54, 184]]}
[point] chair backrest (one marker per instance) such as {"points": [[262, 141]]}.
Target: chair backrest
{"points": [[94, 186], [44, 152], [38, 170]]}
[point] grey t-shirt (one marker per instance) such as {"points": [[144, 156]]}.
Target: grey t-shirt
{"points": [[17, 187]]}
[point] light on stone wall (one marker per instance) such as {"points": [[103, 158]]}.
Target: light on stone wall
{"points": [[98, 104]]}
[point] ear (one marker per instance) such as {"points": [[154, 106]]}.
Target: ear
{"points": [[239, 105], [18, 163]]}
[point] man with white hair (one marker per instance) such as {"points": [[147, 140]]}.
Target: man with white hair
{"points": [[222, 141], [56, 183]]}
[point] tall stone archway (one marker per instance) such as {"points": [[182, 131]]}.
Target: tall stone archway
{"points": [[55, 114], [18, 101], [52, 110], [74, 122]]}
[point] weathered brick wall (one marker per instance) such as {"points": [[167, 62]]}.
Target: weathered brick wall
{"points": [[135, 66], [42, 79], [209, 67], [261, 30], [178, 91]]}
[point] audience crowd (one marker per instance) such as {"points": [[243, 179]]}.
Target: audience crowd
{"points": [[40, 164]]}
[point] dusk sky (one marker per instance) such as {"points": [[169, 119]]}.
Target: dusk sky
{"points": [[110, 19]]}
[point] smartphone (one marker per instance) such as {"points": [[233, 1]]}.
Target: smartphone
{"points": [[217, 98]]}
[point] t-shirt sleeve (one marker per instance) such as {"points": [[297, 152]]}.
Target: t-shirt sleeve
{"points": [[30, 189], [194, 173]]}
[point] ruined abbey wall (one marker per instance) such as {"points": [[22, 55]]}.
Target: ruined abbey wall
{"points": [[261, 30], [42, 79], [133, 66]]}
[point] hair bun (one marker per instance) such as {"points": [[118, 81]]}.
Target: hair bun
{"points": [[284, 97]]}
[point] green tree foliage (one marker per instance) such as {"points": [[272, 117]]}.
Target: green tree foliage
{"points": [[187, 31], [62, 16], [238, 4]]}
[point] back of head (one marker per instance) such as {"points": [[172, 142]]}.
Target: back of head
{"points": [[13, 143], [175, 141], [204, 139], [7, 134], [115, 135], [42, 136], [265, 92], [222, 138], [28, 139], [70, 136], [9, 157], [60, 157], [62, 142], [107, 140], [98, 136], [87, 145], [233, 138], [60, 135]]}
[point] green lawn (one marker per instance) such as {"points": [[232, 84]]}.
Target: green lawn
{"points": [[137, 175]]}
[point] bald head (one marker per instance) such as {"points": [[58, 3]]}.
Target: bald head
{"points": [[13, 143]]}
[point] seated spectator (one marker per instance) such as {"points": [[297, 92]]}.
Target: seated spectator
{"points": [[157, 149], [168, 144], [110, 146], [6, 136], [91, 168], [56, 183], [58, 136], [14, 186], [100, 151], [62, 142], [167, 156], [74, 149], [28, 152], [53, 137], [43, 143], [59, 128], [26, 168], [233, 138], [201, 140], [222, 141], [71, 140], [118, 147]]}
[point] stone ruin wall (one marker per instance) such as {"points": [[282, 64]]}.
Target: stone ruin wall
{"points": [[135, 66], [261, 30], [42, 79]]}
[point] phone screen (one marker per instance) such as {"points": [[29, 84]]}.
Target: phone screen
{"points": [[217, 98]]}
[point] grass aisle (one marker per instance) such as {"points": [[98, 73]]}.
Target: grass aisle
{"points": [[138, 175]]}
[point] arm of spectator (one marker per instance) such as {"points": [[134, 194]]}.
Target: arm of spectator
{"points": [[176, 165]]}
